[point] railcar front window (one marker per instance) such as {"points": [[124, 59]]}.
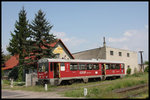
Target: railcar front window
{"points": [[122, 66], [43, 67]]}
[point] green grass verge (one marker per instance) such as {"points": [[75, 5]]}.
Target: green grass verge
{"points": [[37, 88], [105, 91]]}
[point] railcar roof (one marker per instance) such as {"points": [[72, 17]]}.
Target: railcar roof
{"points": [[77, 60]]}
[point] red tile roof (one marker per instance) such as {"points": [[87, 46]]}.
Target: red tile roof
{"points": [[13, 61]]}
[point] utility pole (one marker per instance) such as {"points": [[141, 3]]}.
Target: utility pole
{"points": [[142, 67], [104, 43]]}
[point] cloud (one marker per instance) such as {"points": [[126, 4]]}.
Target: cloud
{"points": [[71, 42], [117, 39], [135, 40], [146, 26]]}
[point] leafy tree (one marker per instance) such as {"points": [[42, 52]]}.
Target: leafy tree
{"points": [[18, 43], [40, 38], [146, 62], [7, 57], [2, 62]]}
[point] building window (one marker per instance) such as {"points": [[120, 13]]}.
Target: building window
{"points": [[111, 53], [128, 55], [120, 53]]}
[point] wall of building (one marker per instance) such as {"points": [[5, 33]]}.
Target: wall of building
{"points": [[59, 49], [131, 61], [102, 53]]}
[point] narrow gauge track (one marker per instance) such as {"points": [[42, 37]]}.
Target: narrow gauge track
{"points": [[136, 94], [137, 87], [130, 88]]}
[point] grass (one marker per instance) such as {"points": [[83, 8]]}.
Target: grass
{"points": [[105, 91], [21, 86], [96, 91]]}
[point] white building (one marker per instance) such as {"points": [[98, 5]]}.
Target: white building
{"points": [[130, 58]]}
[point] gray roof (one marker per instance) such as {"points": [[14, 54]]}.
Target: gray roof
{"points": [[88, 54]]}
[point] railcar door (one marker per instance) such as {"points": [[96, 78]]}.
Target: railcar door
{"points": [[103, 69], [56, 70]]}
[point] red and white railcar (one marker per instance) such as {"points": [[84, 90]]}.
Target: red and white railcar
{"points": [[57, 70]]}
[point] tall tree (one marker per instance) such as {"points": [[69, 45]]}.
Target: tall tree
{"points": [[18, 43], [2, 59], [40, 38]]}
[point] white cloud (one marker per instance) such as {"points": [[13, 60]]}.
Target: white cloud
{"points": [[70, 42], [117, 39], [146, 26], [134, 40], [127, 34]]}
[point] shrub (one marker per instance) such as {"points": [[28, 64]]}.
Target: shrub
{"points": [[13, 73], [146, 69], [129, 70]]}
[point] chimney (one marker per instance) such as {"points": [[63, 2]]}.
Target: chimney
{"points": [[104, 43]]}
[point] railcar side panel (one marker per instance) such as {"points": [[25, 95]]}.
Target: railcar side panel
{"points": [[78, 73]]}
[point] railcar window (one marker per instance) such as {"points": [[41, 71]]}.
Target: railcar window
{"points": [[43, 67], [89, 66], [46, 67], [51, 67], [107, 66], [122, 66], [73, 66], [95, 66], [62, 66], [113, 66], [117, 66], [82, 66]]}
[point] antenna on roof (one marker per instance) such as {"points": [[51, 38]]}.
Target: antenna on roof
{"points": [[104, 43]]}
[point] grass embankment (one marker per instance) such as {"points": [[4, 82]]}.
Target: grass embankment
{"points": [[37, 88], [105, 90]]}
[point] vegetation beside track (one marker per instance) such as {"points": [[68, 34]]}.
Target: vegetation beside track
{"points": [[105, 91], [100, 89]]}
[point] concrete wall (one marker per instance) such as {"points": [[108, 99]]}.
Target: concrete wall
{"points": [[102, 53], [31, 79], [131, 61], [88, 54]]}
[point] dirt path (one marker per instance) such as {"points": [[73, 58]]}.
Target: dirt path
{"points": [[7, 93]]}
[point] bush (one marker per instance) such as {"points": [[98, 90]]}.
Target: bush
{"points": [[146, 69], [13, 73], [129, 70]]}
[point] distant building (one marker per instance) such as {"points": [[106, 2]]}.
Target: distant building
{"points": [[130, 58]]}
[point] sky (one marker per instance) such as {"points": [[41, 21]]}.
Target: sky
{"points": [[82, 25]]}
